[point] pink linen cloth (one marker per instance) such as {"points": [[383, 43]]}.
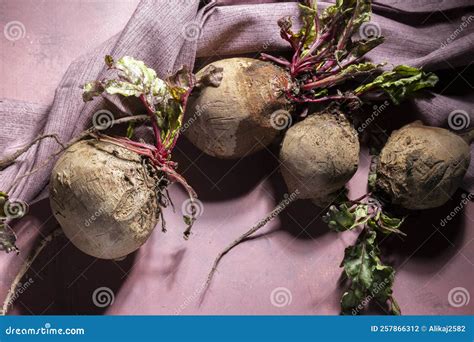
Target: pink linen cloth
{"points": [[417, 34]]}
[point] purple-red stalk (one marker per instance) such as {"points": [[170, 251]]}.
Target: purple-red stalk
{"points": [[156, 130], [319, 100]]}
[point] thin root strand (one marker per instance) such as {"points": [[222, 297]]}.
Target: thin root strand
{"points": [[275, 212], [26, 266], [4, 163], [89, 132]]}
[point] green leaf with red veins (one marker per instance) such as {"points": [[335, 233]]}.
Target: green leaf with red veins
{"points": [[123, 88], [400, 82], [162, 98], [325, 56], [348, 14], [369, 277], [361, 68], [352, 71], [359, 262], [308, 30], [361, 47], [136, 72]]}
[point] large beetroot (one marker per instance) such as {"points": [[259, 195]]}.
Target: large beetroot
{"points": [[318, 157], [421, 167], [105, 198], [237, 115]]}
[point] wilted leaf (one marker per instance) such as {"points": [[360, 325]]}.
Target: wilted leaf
{"points": [[123, 88], [343, 217], [362, 47], [325, 55], [91, 90], [369, 278], [188, 219], [399, 83], [210, 76], [7, 238], [130, 130], [136, 71], [3, 201], [164, 98], [109, 61], [383, 277], [339, 218]]}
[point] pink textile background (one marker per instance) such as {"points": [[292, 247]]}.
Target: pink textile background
{"points": [[165, 276]]}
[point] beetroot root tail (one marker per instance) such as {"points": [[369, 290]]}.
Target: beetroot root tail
{"points": [[274, 213]]}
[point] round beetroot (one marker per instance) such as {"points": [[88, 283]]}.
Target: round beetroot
{"points": [[104, 198], [319, 155], [421, 167], [241, 115]]}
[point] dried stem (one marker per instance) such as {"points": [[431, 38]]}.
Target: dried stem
{"points": [[26, 266], [81, 136], [12, 158], [274, 213]]}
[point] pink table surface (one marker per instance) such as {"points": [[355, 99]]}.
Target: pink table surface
{"points": [[291, 268]]}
